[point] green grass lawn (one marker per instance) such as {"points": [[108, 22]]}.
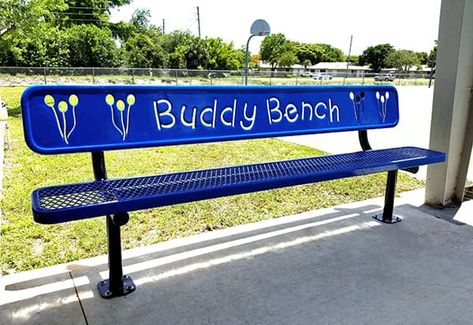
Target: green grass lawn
{"points": [[26, 245]]}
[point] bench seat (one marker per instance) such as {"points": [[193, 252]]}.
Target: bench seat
{"points": [[62, 203]]}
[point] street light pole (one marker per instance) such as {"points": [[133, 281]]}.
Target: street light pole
{"points": [[259, 28]]}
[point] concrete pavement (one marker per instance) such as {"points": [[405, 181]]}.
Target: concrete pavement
{"points": [[329, 266]]}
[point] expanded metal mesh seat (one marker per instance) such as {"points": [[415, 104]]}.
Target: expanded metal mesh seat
{"points": [[78, 201]]}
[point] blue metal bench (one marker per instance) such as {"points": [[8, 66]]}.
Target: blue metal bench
{"points": [[68, 119]]}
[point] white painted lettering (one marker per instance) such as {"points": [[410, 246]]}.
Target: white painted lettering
{"points": [[212, 116], [158, 124], [316, 110], [273, 109], [205, 111], [215, 113], [229, 109], [190, 123], [304, 107], [291, 113], [167, 113], [250, 119], [333, 108]]}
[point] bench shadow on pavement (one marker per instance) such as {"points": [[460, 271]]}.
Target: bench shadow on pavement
{"points": [[216, 276]]}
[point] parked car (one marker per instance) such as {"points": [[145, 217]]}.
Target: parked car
{"points": [[385, 77], [306, 74], [322, 76], [217, 74]]}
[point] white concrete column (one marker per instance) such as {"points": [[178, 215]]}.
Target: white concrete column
{"points": [[452, 114]]}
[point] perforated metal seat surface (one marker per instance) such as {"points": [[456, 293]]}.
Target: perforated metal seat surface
{"points": [[79, 201]]}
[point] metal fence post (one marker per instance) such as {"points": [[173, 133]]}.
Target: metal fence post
{"points": [[93, 75], [44, 75]]}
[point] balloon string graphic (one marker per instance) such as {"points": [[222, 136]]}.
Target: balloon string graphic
{"points": [[57, 120], [128, 119], [113, 120], [75, 121], [64, 121], [123, 125]]}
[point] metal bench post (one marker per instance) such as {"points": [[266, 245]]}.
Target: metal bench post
{"points": [[117, 284], [387, 215]]}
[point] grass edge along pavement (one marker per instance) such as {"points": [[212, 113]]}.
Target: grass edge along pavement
{"points": [[26, 245]]}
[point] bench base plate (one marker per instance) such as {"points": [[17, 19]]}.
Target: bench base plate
{"points": [[127, 287], [380, 218]]}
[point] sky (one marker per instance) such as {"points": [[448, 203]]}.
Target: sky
{"points": [[405, 24]]}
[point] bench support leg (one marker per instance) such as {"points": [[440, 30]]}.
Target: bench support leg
{"points": [[387, 215], [117, 283]]}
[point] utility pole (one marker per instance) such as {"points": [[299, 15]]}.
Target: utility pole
{"points": [[198, 19], [348, 59], [164, 26]]}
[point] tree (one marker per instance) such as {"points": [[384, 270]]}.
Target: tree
{"points": [[353, 58], [423, 57], [142, 52], [92, 47], [308, 54], [433, 56], [140, 19], [287, 59], [223, 56], [196, 55], [26, 14], [175, 45], [28, 36], [402, 60], [376, 56], [44, 46], [306, 63], [331, 54], [123, 30], [87, 12], [316, 53], [254, 60], [10, 14], [46, 32], [272, 47]]}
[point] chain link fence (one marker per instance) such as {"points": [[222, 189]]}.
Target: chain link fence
{"points": [[25, 76]]}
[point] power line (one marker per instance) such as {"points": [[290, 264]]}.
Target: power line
{"points": [[80, 19], [76, 13], [104, 8]]}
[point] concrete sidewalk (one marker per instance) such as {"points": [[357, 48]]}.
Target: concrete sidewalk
{"points": [[329, 266]]}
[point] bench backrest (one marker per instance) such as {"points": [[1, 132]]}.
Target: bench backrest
{"points": [[64, 119]]}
